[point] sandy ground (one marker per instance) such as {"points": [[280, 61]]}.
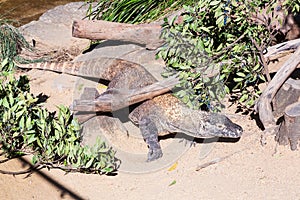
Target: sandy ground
{"points": [[247, 170]]}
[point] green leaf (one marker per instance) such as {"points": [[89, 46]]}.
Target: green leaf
{"points": [[28, 123], [31, 138], [22, 122], [34, 160], [4, 62], [11, 99], [262, 78], [39, 142], [57, 135], [213, 3], [172, 183], [220, 21], [234, 3], [204, 29], [251, 102], [109, 169], [219, 48], [58, 127], [5, 102], [256, 67], [238, 79], [218, 13], [243, 98], [20, 113], [226, 89], [16, 134], [89, 163], [240, 74]]}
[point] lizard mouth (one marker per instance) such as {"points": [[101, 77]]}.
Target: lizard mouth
{"points": [[234, 131]]}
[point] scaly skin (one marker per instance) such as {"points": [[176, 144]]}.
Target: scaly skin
{"points": [[161, 115], [166, 114], [120, 73]]}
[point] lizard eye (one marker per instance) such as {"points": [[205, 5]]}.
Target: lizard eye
{"points": [[220, 126]]}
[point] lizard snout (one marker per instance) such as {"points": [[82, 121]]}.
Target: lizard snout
{"points": [[233, 131]]}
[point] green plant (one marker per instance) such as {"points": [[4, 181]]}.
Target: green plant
{"points": [[218, 49], [11, 42], [132, 11], [292, 5], [53, 139]]}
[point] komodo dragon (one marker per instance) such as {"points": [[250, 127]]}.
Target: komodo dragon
{"points": [[156, 117]]}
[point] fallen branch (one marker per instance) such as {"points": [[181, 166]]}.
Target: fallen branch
{"points": [[216, 160], [263, 106], [114, 99], [146, 34], [278, 50]]}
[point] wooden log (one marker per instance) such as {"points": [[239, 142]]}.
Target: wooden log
{"points": [[288, 94], [263, 106], [289, 131], [87, 94], [280, 50], [114, 99], [145, 34]]}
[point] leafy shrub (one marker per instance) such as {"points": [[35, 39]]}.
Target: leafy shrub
{"points": [[219, 36], [132, 11], [11, 41], [54, 139]]}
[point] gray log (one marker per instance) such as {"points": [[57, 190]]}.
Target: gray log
{"points": [[289, 131], [263, 105], [145, 34]]}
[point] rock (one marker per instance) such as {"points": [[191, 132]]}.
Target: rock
{"points": [[53, 29], [130, 52]]}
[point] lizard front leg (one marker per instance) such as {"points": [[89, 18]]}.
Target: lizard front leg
{"points": [[149, 132]]}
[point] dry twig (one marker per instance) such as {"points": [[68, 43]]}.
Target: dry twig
{"points": [[216, 160]]}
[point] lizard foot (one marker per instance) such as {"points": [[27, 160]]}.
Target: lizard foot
{"points": [[154, 154], [150, 134]]}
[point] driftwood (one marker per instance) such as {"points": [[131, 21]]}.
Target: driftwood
{"points": [[114, 99], [288, 94], [146, 34], [263, 106], [289, 130], [279, 50]]}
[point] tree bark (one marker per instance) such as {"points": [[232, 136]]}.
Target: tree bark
{"points": [[279, 50], [263, 105], [288, 94], [145, 34], [289, 131]]}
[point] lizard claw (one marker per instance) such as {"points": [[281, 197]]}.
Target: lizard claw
{"points": [[154, 154], [187, 142]]}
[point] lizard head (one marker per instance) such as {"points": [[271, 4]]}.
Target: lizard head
{"points": [[221, 126]]}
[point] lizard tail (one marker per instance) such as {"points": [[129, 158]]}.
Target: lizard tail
{"points": [[102, 68]]}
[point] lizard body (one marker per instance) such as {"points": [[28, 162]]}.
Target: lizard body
{"points": [[159, 116]]}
